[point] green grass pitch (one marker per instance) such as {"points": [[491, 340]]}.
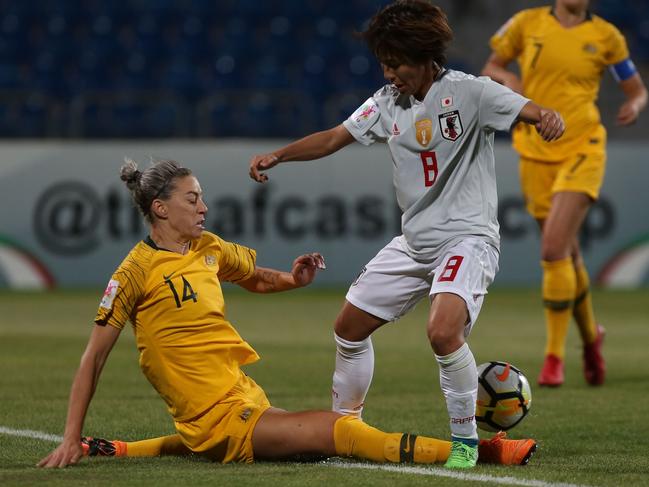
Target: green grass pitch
{"points": [[587, 436]]}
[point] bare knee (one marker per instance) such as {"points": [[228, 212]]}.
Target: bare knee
{"points": [[444, 339], [354, 324], [445, 333], [446, 322], [553, 247]]}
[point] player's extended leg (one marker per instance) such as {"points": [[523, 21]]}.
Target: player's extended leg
{"points": [[457, 374], [279, 434], [153, 447], [559, 288], [592, 335], [284, 435], [354, 359]]}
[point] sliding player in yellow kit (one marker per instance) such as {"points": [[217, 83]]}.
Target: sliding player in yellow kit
{"points": [[169, 288], [561, 52]]}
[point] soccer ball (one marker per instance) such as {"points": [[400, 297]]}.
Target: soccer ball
{"points": [[504, 396]]}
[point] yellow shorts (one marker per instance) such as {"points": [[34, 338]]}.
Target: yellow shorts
{"points": [[224, 432], [580, 172]]}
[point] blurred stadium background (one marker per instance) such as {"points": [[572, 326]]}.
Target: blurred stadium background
{"points": [[204, 68], [83, 83]]}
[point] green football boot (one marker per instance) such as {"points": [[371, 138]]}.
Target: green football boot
{"points": [[462, 455]]}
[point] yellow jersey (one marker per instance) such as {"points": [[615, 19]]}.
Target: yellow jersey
{"points": [[188, 350], [561, 68]]}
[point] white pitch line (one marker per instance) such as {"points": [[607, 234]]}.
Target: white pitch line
{"points": [[439, 472], [429, 471], [38, 435]]}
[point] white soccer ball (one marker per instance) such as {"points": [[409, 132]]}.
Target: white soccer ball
{"points": [[504, 396]]}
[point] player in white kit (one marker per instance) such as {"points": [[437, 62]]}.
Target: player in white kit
{"points": [[438, 125]]}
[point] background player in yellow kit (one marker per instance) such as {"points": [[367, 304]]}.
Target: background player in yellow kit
{"points": [[561, 52], [169, 288]]}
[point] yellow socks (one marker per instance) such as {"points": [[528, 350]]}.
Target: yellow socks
{"points": [[155, 447], [353, 438], [559, 290], [583, 310]]}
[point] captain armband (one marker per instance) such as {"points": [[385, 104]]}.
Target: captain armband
{"points": [[623, 70]]}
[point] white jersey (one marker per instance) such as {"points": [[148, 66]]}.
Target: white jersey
{"points": [[442, 151]]}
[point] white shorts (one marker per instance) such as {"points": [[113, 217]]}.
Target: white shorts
{"points": [[392, 283]]}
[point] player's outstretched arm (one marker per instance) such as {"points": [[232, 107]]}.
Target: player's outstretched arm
{"points": [[302, 274], [496, 69], [549, 123], [314, 146], [635, 93], [85, 381]]}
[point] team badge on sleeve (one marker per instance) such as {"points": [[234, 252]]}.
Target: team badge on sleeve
{"points": [[366, 115], [109, 294], [450, 125]]}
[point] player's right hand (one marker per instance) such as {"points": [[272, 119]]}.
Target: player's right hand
{"points": [[551, 126], [628, 113], [262, 162], [305, 268], [67, 453]]}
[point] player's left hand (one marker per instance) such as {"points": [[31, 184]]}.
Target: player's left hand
{"points": [[305, 268], [260, 163], [551, 126], [67, 453], [627, 114]]}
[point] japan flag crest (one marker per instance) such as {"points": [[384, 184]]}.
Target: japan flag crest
{"points": [[450, 125]]}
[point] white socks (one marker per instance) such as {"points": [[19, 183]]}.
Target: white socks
{"points": [[458, 377], [353, 375]]}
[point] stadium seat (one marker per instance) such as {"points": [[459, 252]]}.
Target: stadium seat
{"points": [[192, 50]]}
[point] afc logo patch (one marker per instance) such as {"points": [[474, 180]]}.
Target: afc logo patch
{"points": [[109, 294], [365, 112], [365, 116], [450, 125]]}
